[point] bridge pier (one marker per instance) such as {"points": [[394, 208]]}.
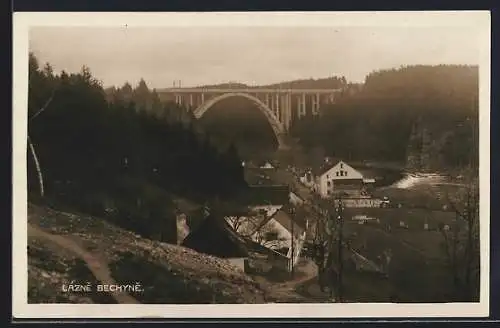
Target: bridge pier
{"points": [[302, 105], [315, 104]]}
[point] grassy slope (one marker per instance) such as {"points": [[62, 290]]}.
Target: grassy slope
{"points": [[168, 273], [418, 270]]}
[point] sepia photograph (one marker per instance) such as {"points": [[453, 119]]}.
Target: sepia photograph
{"points": [[309, 164]]}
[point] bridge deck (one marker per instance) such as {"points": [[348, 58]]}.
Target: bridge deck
{"points": [[247, 90]]}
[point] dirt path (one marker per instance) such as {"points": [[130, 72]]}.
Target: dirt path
{"points": [[287, 291], [98, 267], [308, 270]]}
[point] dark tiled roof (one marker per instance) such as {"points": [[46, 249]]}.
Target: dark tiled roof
{"points": [[185, 206], [268, 195], [215, 237], [257, 176]]}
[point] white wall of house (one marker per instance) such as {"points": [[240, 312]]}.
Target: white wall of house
{"points": [[182, 228], [298, 244], [323, 186], [341, 171], [307, 179], [270, 210], [267, 165], [238, 262], [284, 236], [285, 241], [295, 199]]}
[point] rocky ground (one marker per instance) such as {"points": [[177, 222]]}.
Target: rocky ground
{"points": [[85, 246]]}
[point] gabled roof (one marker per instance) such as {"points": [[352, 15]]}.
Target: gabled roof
{"points": [[327, 166], [318, 170], [258, 248], [298, 220], [296, 194], [214, 236]]}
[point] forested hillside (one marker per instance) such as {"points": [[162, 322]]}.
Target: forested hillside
{"points": [[121, 153], [424, 112], [333, 82]]}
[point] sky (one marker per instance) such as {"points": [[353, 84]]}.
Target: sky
{"points": [[251, 55]]}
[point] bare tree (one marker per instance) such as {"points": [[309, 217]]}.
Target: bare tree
{"points": [[44, 106], [461, 242], [268, 236], [37, 166], [32, 147], [49, 74], [255, 225], [245, 222]]}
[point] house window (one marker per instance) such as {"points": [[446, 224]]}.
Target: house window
{"points": [[328, 183], [270, 236], [341, 165], [337, 173], [327, 176]]}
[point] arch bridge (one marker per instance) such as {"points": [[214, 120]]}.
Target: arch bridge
{"points": [[279, 106]]}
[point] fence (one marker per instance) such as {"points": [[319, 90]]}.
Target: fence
{"points": [[360, 202]]}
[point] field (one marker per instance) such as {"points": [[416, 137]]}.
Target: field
{"points": [[417, 270]]}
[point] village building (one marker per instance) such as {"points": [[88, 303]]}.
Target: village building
{"points": [[266, 165], [215, 237], [339, 179], [281, 232]]}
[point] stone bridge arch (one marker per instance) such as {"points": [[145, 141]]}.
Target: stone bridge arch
{"points": [[276, 125]]}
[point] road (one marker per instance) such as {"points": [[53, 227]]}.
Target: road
{"points": [[292, 291]]}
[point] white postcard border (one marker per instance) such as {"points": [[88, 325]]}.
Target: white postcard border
{"points": [[22, 21]]}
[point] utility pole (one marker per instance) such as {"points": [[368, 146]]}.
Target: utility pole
{"points": [[329, 262], [292, 216], [340, 224]]}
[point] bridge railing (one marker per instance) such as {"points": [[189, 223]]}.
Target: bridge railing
{"points": [[248, 90]]}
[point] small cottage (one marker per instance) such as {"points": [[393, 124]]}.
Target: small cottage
{"points": [[283, 233], [215, 237]]}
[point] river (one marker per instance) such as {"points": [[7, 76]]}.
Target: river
{"points": [[411, 180]]}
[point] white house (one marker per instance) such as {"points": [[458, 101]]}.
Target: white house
{"points": [[277, 232], [282, 234], [331, 180]]}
